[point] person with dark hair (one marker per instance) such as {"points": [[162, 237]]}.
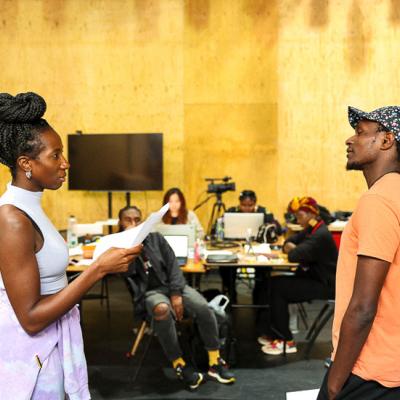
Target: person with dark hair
{"points": [[315, 250], [247, 204], [160, 290], [41, 346], [366, 331], [178, 212]]}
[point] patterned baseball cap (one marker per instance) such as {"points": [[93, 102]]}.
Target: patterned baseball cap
{"points": [[388, 116]]}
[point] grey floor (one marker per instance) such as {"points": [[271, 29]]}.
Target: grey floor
{"points": [[113, 376]]}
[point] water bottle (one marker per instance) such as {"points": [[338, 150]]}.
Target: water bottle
{"points": [[196, 257], [220, 229], [72, 239], [202, 249]]}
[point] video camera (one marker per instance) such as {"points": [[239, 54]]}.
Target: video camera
{"points": [[223, 187]]}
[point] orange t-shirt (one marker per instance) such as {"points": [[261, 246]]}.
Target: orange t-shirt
{"points": [[374, 230]]}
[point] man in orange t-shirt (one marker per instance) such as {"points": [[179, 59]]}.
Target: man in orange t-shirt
{"points": [[366, 326]]}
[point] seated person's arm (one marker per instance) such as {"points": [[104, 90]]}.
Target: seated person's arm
{"points": [[288, 246], [304, 252], [293, 241]]}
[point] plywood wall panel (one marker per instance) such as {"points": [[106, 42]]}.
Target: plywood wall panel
{"points": [[254, 89]]}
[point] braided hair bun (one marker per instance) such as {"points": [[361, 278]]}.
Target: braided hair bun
{"points": [[20, 126], [23, 108]]}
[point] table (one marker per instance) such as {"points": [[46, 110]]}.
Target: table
{"points": [[192, 271], [274, 261]]}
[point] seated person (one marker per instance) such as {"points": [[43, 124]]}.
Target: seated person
{"points": [[178, 213], [315, 250], [247, 204], [161, 291]]}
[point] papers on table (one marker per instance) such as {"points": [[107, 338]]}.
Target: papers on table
{"points": [[75, 251], [84, 261], [263, 248], [131, 237], [303, 395]]}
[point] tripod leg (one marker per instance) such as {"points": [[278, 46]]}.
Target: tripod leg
{"points": [[212, 218]]}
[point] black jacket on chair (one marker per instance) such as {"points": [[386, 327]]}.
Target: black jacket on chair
{"points": [[159, 256], [317, 251]]}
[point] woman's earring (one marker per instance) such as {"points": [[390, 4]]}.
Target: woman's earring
{"points": [[28, 174]]}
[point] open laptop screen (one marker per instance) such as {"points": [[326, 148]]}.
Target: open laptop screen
{"points": [[179, 244], [242, 225]]}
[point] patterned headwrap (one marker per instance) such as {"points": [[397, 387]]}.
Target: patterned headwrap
{"points": [[304, 204], [389, 117]]}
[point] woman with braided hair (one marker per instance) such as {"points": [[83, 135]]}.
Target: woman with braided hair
{"points": [[41, 347]]}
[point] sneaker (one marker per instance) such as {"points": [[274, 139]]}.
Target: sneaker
{"points": [[265, 340], [276, 348], [189, 376], [221, 372]]}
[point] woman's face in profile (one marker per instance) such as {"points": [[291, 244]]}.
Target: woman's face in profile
{"points": [[247, 205], [49, 168], [303, 217], [174, 203]]}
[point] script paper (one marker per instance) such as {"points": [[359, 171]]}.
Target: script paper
{"points": [[130, 237]]}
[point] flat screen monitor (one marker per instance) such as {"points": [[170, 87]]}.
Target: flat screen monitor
{"points": [[242, 225], [116, 162]]}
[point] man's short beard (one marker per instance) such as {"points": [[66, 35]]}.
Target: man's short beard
{"points": [[354, 166]]}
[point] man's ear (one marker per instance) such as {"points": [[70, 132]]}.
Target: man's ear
{"points": [[388, 140], [24, 163]]}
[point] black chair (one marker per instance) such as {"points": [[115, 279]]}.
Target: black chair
{"points": [[320, 321]]}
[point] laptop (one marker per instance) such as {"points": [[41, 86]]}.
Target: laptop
{"points": [[188, 230], [242, 225], [180, 246]]}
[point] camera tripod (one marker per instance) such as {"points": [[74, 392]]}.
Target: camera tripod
{"points": [[218, 210]]}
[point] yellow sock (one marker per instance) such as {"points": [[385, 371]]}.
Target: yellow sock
{"points": [[178, 361], [213, 356]]}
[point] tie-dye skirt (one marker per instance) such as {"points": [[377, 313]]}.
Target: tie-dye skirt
{"points": [[47, 365]]}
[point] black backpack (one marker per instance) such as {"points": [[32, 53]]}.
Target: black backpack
{"points": [[267, 233]]}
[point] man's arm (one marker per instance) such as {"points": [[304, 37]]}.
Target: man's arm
{"points": [[358, 319]]}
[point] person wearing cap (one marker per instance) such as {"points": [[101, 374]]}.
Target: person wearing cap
{"points": [[366, 331], [315, 251]]}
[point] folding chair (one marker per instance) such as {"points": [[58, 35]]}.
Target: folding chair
{"points": [[320, 321]]}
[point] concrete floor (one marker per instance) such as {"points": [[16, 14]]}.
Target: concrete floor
{"points": [[111, 374]]}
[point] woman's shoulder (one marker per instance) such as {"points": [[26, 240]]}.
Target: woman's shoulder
{"points": [[11, 216], [191, 215]]}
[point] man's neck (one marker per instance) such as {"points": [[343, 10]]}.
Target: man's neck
{"points": [[373, 172]]}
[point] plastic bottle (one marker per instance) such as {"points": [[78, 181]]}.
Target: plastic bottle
{"points": [[196, 257], [220, 229], [202, 249], [72, 239]]}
